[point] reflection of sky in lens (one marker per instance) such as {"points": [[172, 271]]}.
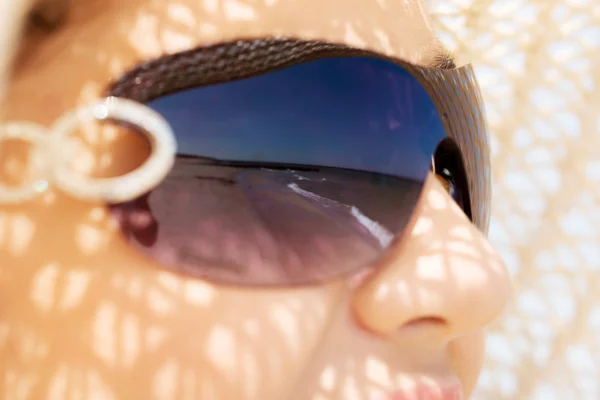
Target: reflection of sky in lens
{"points": [[356, 113]]}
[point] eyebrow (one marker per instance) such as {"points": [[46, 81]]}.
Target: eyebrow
{"points": [[444, 59], [235, 60]]}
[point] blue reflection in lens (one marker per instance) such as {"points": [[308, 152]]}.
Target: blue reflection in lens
{"points": [[357, 113], [365, 128]]}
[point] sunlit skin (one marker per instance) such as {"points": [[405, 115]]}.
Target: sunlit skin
{"points": [[84, 316]]}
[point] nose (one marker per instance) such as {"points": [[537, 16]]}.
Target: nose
{"points": [[442, 270]]}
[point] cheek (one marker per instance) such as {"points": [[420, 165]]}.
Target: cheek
{"points": [[77, 324], [466, 357]]}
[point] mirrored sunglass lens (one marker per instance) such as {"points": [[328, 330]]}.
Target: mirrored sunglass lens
{"points": [[295, 176]]}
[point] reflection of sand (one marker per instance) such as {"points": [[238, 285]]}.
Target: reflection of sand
{"points": [[268, 225]]}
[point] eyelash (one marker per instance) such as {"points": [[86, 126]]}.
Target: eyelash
{"points": [[444, 176], [447, 165]]}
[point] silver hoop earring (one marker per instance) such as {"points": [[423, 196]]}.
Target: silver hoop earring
{"points": [[38, 137], [54, 145]]}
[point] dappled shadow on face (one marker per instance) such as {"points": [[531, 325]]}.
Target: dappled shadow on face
{"points": [[167, 27], [110, 38], [87, 315], [422, 310], [84, 315], [354, 365], [442, 267], [105, 150]]}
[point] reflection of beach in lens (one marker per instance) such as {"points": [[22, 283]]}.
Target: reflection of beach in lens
{"points": [[272, 225]]}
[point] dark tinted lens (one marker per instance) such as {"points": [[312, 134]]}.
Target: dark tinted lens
{"points": [[295, 176]]}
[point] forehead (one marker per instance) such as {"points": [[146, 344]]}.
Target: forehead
{"points": [[155, 27]]}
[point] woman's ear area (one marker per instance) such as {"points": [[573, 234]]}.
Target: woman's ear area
{"points": [[442, 270]]}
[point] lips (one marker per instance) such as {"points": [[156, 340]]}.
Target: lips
{"points": [[424, 392]]}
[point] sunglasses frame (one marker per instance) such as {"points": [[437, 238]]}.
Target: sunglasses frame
{"points": [[454, 92]]}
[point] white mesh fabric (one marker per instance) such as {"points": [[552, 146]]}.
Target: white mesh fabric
{"points": [[538, 63]]}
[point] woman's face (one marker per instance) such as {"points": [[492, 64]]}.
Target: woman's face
{"points": [[84, 315]]}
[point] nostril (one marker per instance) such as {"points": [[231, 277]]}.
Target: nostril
{"points": [[430, 321]]}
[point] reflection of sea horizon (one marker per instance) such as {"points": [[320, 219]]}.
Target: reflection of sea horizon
{"points": [[191, 160], [382, 199]]}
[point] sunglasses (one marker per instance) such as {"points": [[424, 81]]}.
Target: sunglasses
{"points": [[299, 162]]}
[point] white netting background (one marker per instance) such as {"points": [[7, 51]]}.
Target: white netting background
{"points": [[538, 63]]}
